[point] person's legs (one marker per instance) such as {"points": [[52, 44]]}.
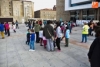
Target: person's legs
{"points": [[8, 32], [14, 30], [48, 44], [45, 43], [16, 26], [51, 45], [67, 42], [41, 42], [90, 31], [2, 34], [54, 44], [30, 44], [70, 30], [5, 31], [82, 37], [85, 38], [28, 41], [37, 37], [58, 43]]}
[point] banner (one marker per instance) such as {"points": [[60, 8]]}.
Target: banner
{"points": [[95, 4]]}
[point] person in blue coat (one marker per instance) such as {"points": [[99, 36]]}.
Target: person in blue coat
{"points": [[2, 29]]}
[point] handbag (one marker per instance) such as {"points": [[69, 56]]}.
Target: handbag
{"points": [[50, 35]]}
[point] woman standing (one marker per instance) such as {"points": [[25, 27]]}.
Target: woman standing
{"points": [[7, 28], [94, 51], [37, 29], [58, 36]]}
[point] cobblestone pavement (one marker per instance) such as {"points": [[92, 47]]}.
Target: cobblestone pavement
{"points": [[14, 53]]}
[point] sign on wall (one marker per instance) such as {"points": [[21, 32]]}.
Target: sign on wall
{"points": [[95, 4], [80, 4]]}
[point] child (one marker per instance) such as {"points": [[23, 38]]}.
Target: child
{"points": [[14, 27], [28, 37], [44, 42], [41, 36], [67, 36], [32, 40]]}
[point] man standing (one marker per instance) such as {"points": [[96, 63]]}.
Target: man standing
{"points": [[48, 32], [85, 32]]}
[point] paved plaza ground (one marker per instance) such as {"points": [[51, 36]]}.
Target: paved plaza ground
{"points": [[14, 52]]}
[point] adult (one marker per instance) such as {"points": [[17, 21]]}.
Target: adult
{"points": [[48, 32], [7, 28], [44, 22], [37, 29], [33, 23], [17, 27], [29, 24], [94, 51], [85, 32], [40, 23], [90, 29], [52, 24], [58, 36], [69, 26], [2, 29]]}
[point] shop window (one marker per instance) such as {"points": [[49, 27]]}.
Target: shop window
{"points": [[84, 12]]}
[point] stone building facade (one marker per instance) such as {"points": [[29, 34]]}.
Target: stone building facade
{"points": [[13, 10], [60, 11], [48, 14]]}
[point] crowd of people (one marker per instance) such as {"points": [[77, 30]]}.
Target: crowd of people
{"points": [[5, 28], [52, 33], [49, 34]]}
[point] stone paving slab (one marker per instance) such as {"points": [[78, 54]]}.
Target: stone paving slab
{"points": [[14, 53]]}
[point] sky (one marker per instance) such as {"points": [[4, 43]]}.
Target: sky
{"points": [[41, 4]]}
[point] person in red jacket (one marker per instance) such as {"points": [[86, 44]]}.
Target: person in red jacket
{"points": [[7, 28]]}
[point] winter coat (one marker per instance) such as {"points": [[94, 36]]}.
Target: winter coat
{"points": [[94, 53], [1, 27], [7, 26], [47, 28], [37, 28]]}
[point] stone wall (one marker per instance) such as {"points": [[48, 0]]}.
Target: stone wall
{"points": [[4, 8], [61, 13]]}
